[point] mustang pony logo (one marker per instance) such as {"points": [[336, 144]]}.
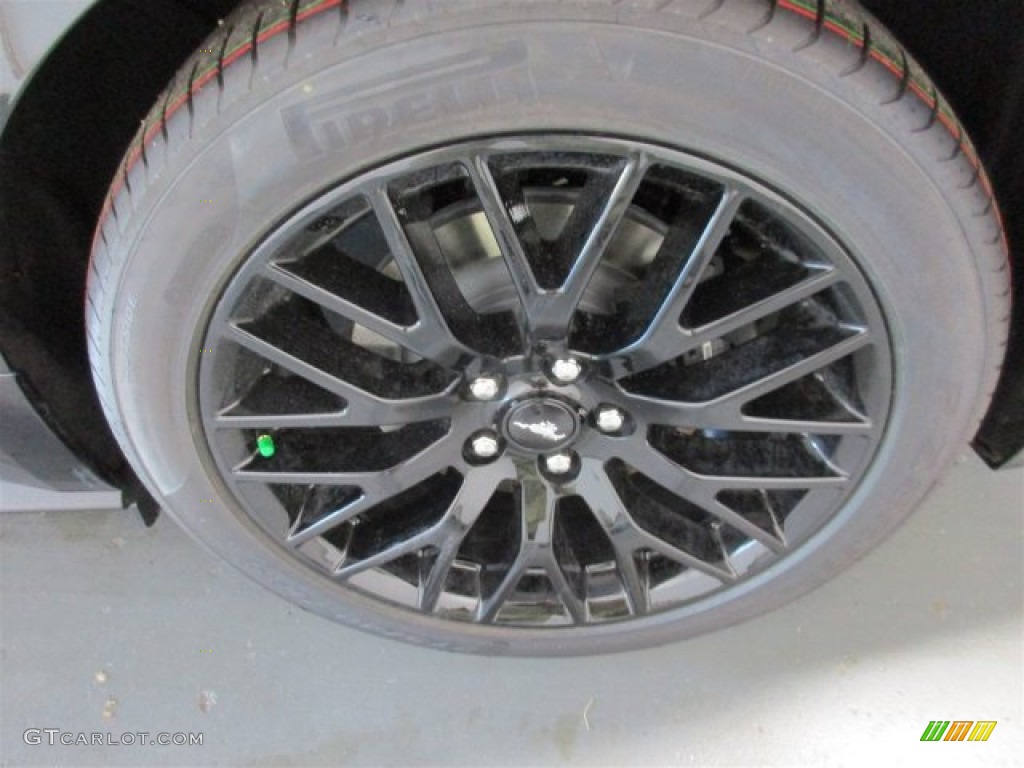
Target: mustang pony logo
{"points": [[546, 429]]}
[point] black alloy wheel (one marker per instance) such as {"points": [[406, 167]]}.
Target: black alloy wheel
{"points": [[545, 380]]}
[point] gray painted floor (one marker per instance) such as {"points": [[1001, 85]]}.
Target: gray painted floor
{"points": [[107, 626]]}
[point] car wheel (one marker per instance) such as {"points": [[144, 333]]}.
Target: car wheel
{"points": [[546, 327]]}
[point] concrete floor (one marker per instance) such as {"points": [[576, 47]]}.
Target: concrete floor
{"points": [[107, 626]]}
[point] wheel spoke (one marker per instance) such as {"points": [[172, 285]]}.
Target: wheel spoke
{"points": [[376, 486], [670, 413], [628, 537], [433, 585], [728, 406], [820, 279], [538, 500], [738, 483], [431, 332], [286, 421], [447, 534], [677, 342], [695, 489], [622, 532], [512, 249], [418, 338], [796, 426], [537, 508], [354, 479], [663, 332], [774, 540], [720, 388], [549, 313], [663, 548], [553, 311], [461, 515], [533, 559], [637, 591], [363, 408], [576, 608], [399, 549], [489, 608]]}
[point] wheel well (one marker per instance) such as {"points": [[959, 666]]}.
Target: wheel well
{"points": [[69, 129], [60, 147]]}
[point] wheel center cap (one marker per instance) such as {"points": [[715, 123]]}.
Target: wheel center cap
{"points": [[541, 425]]}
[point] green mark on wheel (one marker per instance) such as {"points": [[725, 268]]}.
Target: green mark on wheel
{"points": [[266, 445]]}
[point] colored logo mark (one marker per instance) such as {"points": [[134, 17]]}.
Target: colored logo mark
{"points": [[959, 730]]}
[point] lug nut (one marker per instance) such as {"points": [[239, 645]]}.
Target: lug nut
{"points": [[566, 371], [485, 388], [558, 464], [485, 446], [609, 419]]}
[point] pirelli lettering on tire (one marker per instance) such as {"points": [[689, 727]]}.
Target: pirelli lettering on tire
{"points": [[346, 116]]}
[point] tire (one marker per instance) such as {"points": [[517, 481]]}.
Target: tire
{"points": [[823, 121]]}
